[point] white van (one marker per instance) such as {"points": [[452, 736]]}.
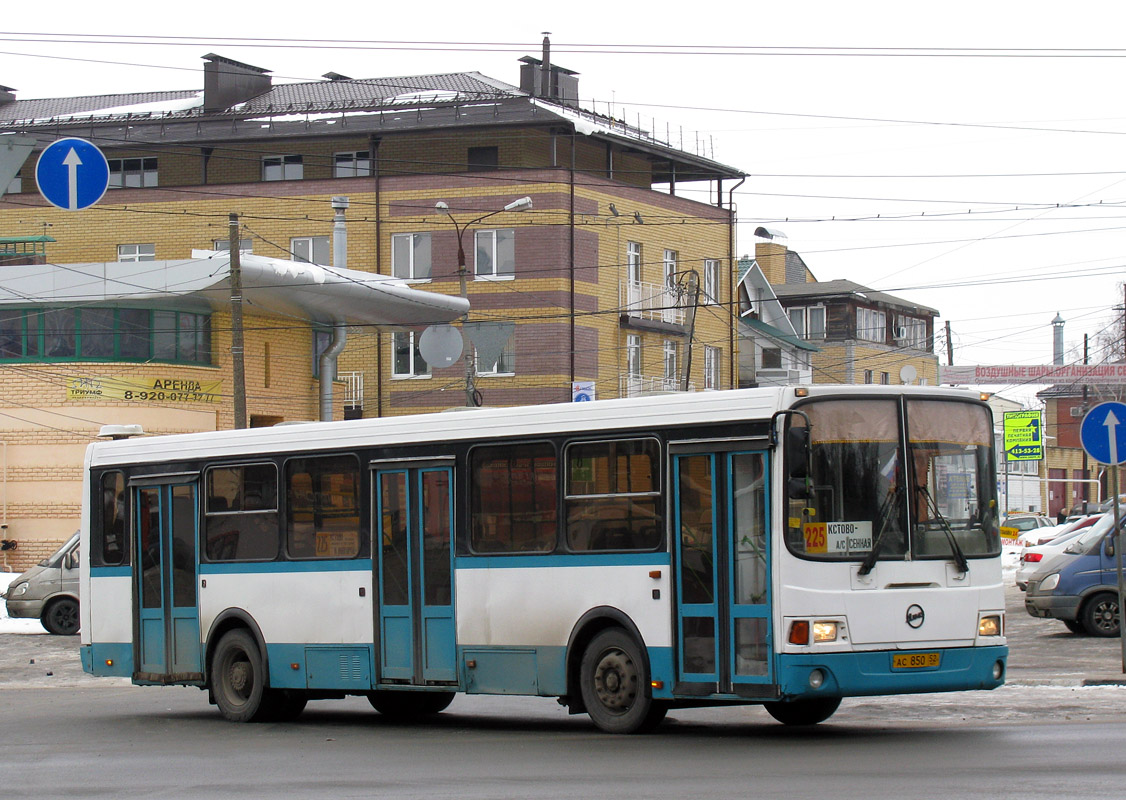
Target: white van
{"points": [[49, 591]]}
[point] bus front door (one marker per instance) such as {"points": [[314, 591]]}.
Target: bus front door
{"points": [[414, 531], [722, 519], [168, 641]]}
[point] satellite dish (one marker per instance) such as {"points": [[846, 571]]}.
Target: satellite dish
{"points": [[440, 345], [908, 374]]}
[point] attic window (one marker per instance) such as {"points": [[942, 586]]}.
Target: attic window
{"points": [[483, 158]]}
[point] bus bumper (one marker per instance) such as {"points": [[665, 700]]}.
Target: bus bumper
{"points": [[107, 659], [859, 674]]}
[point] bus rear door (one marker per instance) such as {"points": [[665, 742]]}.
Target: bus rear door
{"points": [[722, 520], [167, 529]]}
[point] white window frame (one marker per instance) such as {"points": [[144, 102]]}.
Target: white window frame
{"points": [[670, 356], [283, 167], [136, 252], [633, 355], [497, 239], [712, 280], [126, 175], [915, 332], [313, 245], [244, 245], [633, 262], [412, 245], [414, 372], [505, 365], [351, 164], [871, 325], [712, 364], [669, 262]]}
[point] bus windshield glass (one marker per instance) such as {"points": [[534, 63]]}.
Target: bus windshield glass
{"points": [[905, 479]]}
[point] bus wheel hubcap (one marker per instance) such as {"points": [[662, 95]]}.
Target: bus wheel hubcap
{"points": [[615, 680]]}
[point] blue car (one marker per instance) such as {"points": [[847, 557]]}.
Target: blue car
{"points": [[1080, 585]]}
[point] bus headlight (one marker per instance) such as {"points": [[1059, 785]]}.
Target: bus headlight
{"points": [[1049, 583], [824, 631], [989, 626]]}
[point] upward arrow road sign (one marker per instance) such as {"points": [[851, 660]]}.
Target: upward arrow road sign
{"points": [[1103, 433], [72, 174]]}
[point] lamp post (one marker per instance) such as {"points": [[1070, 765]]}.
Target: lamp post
{"points": [[523, 204]]}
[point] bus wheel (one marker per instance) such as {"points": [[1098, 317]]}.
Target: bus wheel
{"points": [[238, 678], [61, 617], [405, 706], [804, 712], [1100, 615], [614, 682], [284, 705]]}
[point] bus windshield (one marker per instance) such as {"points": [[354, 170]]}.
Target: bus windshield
{"points": [[892, 479]]}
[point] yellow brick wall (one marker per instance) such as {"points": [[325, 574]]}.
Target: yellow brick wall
{"points": [[834, 365]]}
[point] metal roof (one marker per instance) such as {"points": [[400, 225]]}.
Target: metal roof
{"points": [[825, 290], [307, 292]]}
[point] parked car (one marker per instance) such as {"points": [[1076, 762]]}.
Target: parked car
{"points": [[1025, 522], [49, 591], [1033, 557], [1080, 585], [1045, 535]]}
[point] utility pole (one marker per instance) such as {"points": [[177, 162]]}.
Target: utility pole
{"points": [[1084, 409], [949, 346], [237, 348]]}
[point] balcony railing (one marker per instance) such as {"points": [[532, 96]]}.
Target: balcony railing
{"points": [[638, 385], [652, 301], [353, 388]]}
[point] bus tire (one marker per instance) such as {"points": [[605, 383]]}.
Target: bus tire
{"points": [[614, 682], [60, 617], [238, 678], [804, 712], [1100, 615], [284, 705], [405, 706]]}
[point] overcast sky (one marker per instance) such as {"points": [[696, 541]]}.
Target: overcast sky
{"points": [[968, 156]]}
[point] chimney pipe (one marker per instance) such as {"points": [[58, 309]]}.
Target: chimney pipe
{"points": [[1057, 340], [545, 67]]}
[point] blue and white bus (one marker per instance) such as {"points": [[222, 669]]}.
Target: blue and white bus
{"points": [[787, 547]]}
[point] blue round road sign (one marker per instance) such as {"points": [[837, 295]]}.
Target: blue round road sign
{"points": [[72, 174], [1103, 433]]}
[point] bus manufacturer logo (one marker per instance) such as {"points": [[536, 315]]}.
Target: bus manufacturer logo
{"points": [[915, 615]]}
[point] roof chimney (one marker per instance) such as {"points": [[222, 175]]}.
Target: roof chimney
{"points": [[1057, 340], [541, 78], [227, 82], [7, 95]]}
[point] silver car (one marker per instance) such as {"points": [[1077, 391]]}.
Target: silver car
{"points": [[49, 592]]}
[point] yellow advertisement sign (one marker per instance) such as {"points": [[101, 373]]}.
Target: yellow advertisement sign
{"points": [[145, 390]]}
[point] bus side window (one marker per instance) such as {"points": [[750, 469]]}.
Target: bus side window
{"points": [[113, 549]]}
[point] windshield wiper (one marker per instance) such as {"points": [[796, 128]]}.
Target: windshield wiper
{"points": [[887, 509], [959, 556]]}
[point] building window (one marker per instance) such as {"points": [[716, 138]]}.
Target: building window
{"points": [[633, 262], [505, 363], [483, 158], [136, 252], [868, 376], [496, 254], [871, 325], [885, 378], [244, 245], [15, 186], [282, 168], [105, 334], [808, 322], [352, 164], [910, 332], [633, 355], [132, 173], [711, 367], [406, 361], [410, 256], [310, 249], [670, 267], [772, 358], [711, 280], [670, 361]]}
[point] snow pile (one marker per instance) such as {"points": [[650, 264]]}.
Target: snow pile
{"points": [[9, 625]]}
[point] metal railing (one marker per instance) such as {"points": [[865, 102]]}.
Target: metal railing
{"points": [[638, 385], [652, 301]]}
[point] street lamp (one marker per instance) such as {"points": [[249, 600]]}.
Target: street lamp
{"points": [[523, 204]]}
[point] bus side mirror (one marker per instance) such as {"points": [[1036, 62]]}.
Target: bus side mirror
{"points": [[797, 463]]}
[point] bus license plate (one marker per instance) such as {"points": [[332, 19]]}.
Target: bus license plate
{"points": [[915, 660]]}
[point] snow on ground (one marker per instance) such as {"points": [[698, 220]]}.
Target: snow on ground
{"points": [[9, 625]]}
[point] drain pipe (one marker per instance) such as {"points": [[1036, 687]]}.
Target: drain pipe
{"points": [[339, 329]]}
